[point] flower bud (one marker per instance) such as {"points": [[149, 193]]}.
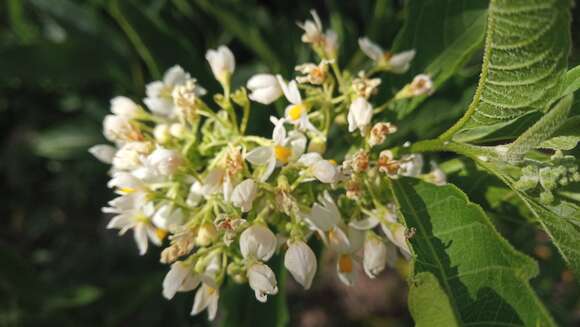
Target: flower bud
{"points": [[318, 145], [262, 280], [265, 88], [161, 133], [206, 234], [222, 63], [103, 152], [258, 242], [177, 130], [164, 162], [375, 256], [360, 114], [125, 107], [301, 263]]}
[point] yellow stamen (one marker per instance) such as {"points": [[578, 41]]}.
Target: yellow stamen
{"points": [[296, 111], [161, 233], [126, 190], [333, 162], [282, 153], [345, 263], [211, 290]]}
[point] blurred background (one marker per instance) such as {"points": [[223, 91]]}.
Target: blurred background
{"points": [[60, 63]]}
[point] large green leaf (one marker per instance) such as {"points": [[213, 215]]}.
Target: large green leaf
{"points": [[483, 276], [445, 35], [524, 64]]}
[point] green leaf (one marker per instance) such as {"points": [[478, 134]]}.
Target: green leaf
{"points": [[524, 63], [566, 137], [428, 302], [572, 82], [485, 279], [540, 131], [65, 141], [445, 35]]}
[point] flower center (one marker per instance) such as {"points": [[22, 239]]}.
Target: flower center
{"points": [[282, 153], [345, 263], [161, 233], [296, 111]]}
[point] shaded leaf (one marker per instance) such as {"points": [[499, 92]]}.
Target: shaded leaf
{"points": [[484, 277]]}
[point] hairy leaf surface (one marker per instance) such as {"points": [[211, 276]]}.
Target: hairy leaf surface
{"points": [[524, 64], [483, 276]]}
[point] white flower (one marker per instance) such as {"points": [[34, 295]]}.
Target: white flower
{"points": [[222, 63], [345, 269], [394, 231], [265, 88], [258, 242], [375, 256], [168, 217], [312, 29], [364, 86], [164, 162], [206, 297], [244, 194], [184, 95], [314, 74], [436, 175], [159, 93], [180, 278], [297, 112], [262, 280], [103, 152], [325, 217], [379, 133], [313, 33], [195, 194], [134, 213], [411, 165], [283, 150], [126, 183], [323, 170], [396, 63], [131, 155], [161, 133], [360, 114], [125, 107], [119, 129], [421, 84], [301, 262]]}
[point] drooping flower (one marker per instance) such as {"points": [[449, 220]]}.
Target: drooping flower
{"points": [[397, 63], [360, 114], [244, 194], [301, 262], [180, 278], [222, 63], [375, 256], [321, 169], [258, 242], [283, 150], [394, 230], [313, 34], [206, 297], [326, 219], [262, 280], [265, 88]]}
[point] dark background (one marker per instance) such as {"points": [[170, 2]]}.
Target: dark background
{"points": [[60, 63]]}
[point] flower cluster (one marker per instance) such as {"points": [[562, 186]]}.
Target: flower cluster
{"points": [[222, 203]]}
